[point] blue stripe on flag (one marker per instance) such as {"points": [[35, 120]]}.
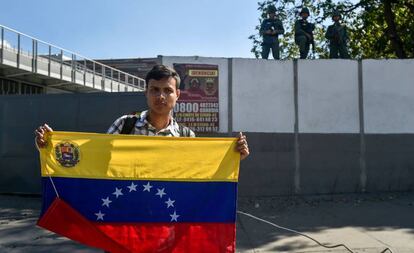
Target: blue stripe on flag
{"points": [[105, 200]]}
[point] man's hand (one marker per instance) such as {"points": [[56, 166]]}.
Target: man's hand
{"points": [[242, 146], [40, 135]]}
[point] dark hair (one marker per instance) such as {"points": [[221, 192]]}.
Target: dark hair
{"points": [[159, 72]]}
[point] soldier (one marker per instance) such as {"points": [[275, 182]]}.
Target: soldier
{"points": [[304, 33], [338, 38], [270, 29]]}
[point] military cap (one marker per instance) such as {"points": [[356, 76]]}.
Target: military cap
{"points": [[336, 13], [304, 10], [271, 9]]}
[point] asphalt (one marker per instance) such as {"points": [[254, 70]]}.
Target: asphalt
{"points": [[366, 223]]}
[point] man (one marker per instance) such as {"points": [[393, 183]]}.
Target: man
{"points": [[194, 87], [270, 29], [304, 33], [210, 88], [338, 38], [162, 92]]}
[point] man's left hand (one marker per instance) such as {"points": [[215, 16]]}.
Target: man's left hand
{"points": [[242, 146]]}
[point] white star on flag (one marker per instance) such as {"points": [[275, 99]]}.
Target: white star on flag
{"points": [[147, 187], [132, 187], [106, 202], [174, 216], [170, 203], [99, 215], [160, 192], [117, 192]]}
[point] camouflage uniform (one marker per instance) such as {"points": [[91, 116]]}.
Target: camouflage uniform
{"points": [[338, 38], [304, 34], [271, 41]]}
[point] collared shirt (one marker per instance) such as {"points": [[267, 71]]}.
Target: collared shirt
{"points": [[143, 127]]}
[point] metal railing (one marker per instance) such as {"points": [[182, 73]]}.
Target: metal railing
{"points": [[57, 62]]}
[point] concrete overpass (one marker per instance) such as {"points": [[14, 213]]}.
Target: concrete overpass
{"points": [[31, 60]]}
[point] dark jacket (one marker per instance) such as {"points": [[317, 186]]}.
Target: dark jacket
{"points": [[337, 34], [273, 25], [302, 27]]}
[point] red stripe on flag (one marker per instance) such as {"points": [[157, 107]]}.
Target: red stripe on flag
{"points": [[62, 219], [173, 237]]}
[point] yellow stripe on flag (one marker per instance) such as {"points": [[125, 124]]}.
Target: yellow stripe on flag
{"points": [[106, 156]]}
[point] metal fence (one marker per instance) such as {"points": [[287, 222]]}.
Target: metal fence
{"points": [[33, 55]]}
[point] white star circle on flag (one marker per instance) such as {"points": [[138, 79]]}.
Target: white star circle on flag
{"points": [[170, 203], [132, 187], [99, 215], [118, 192], [160, 192], [147, 187], [106, 202], [174, 216]]}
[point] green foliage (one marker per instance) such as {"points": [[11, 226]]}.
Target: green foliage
{"points": [[369, 32]]}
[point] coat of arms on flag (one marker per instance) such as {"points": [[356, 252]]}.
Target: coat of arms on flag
{"points": [[67, 153], [141, 194]]}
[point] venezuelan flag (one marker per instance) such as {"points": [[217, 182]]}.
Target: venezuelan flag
{"points": [[125, 193]]}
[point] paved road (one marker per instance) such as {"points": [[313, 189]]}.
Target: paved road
{"points": [[367, 223]]}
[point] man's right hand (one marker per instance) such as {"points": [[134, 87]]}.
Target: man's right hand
{"points": [[40, 135]]}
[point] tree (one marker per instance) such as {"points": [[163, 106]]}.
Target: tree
{"points": [[377, 28]]}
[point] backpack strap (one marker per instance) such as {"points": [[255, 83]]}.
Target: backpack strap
{"points": [[129, 125], [130, 122]]}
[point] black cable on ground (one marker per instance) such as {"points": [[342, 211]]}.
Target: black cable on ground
{"points": [[304, 235]]}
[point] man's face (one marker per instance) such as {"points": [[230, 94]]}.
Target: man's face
{"points": [[210, 88], [304, 15], [162, 95], [336, 18], [272, 15]]}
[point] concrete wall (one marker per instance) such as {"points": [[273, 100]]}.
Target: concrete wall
{"points": [[389, 124], [388, 96], [328, 96], [328, 119], [349, 118], [314, 127], [263, 98]]}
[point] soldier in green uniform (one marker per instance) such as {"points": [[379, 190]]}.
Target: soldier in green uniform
{"points": [[338, 38], [270, 29], [304, 33]]}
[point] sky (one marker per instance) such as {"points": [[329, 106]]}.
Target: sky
{"points": [[104, 29]]}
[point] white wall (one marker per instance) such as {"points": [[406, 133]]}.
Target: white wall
{"points": [[263, 98], [328, 96], [388, 96], [223, 80]]}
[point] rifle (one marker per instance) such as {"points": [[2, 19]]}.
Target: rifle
{"points": [[311, 39]]}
